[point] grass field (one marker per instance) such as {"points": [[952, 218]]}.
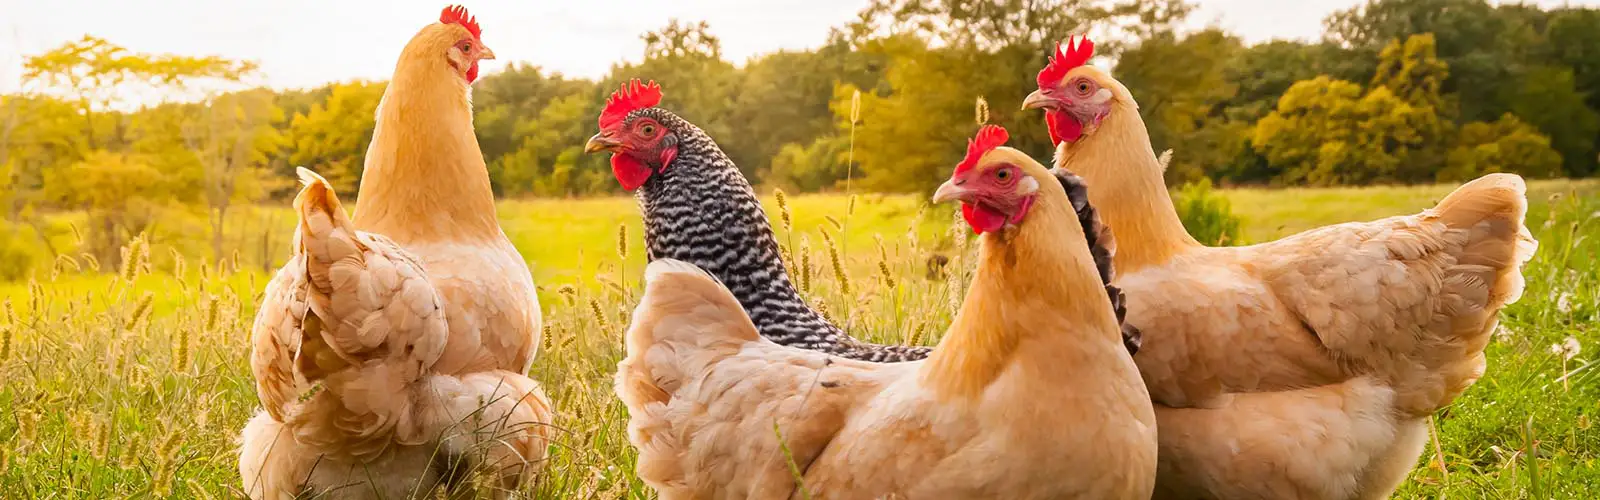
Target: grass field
{"points": [[134, 384]]}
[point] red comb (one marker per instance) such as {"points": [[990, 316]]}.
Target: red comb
{"points": [[456, 14], [989, 137], [631, 96], [1064, 60]]}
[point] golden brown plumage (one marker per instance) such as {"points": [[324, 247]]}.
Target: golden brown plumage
{"points": [[1303, 367], [389, 353], [425, 186], [1031, 393], [345, 347]]}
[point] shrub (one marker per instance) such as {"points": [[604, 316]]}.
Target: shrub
{"points": [[1206, 214]]}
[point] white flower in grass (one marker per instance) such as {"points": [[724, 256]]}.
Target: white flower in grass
{"points": [[1567, 349], [1564, 302]]}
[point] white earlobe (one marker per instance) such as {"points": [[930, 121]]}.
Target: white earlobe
{"points": [[1029, 185]]}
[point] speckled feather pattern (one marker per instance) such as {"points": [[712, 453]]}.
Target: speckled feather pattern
{"points": [[703, 211]]}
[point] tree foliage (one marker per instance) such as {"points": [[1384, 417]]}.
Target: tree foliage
{"points": [[1396, 91]]}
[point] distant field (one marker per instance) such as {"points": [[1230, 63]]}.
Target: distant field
{"points": [[107, 393]]}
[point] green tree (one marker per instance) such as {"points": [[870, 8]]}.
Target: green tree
{"points": [[96, 74], [1412, 71], [332, 139], [235, 137], [1326, 132], [1182, 85], [1547, 98], [1505, 145], [1480, 44]]}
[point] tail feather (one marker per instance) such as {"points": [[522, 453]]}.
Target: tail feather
{"points": [[1492, 208], [685, 322], [1486, 275]]}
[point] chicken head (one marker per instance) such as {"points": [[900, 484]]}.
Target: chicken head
{"points": [[994, 189], [465, 44], [1076, 97], [640, 144]]}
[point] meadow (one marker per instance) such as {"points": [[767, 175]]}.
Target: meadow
{"points": [[133, 382]]}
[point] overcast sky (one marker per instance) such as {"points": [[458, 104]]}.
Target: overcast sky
{"points": [[302, 43]]}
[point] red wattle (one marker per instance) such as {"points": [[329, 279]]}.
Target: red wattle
{"points": [[1063, 128], [472, 73], [631, 173], [982, 219]]}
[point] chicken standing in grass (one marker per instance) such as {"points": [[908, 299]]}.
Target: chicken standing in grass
{"points": [[1300, 368], [698, 208], [352, 329], [389, 353], [1030, 394]]}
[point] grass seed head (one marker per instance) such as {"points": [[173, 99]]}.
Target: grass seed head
{"points": [[182, 358], [783, 210], [5, 342], [622, 241], [805, 265]]}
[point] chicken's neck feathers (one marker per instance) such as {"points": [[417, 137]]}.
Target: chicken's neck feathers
{"points": [[424, 179], [700, 209], [1126, 183], [1029, 290]]}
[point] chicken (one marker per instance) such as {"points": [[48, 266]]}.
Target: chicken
{"points": [[1030, 394], [700, 209], [1303, 367], [388, 336], [425, 187], [344, 349]]}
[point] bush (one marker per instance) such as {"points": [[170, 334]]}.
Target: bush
{"points": [[18, 252], [1206, 214]]}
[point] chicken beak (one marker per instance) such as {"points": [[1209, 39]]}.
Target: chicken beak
{"points": [[601, 142], [1038, 99], [950, 190], [486, 54]]}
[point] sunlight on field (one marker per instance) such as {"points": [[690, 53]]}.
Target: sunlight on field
{"points": [[135, 383]]}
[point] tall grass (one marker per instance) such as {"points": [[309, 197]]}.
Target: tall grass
{"points": [[132, 383]]}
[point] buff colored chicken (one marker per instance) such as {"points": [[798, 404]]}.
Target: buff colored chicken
{"points": [[1300, 368], [1030, 394], [389, 352], [353, 325]]}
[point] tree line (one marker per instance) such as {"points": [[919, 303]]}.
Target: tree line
{"points": [[1395, 91]]}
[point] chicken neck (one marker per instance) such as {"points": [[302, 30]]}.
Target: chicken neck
{"points": [[424, 178], [1126, 184], [1033, 303], [702, 210]]}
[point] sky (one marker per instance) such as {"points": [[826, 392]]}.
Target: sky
{"points": [[302, 43]]}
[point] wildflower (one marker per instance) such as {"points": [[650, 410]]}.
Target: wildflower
{"points": [[1564, 303], [1567, 349]]}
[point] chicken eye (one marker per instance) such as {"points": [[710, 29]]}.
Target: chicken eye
{"points": [[466, 46], [1083, 87], [1003, 174], [648, 130]]}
